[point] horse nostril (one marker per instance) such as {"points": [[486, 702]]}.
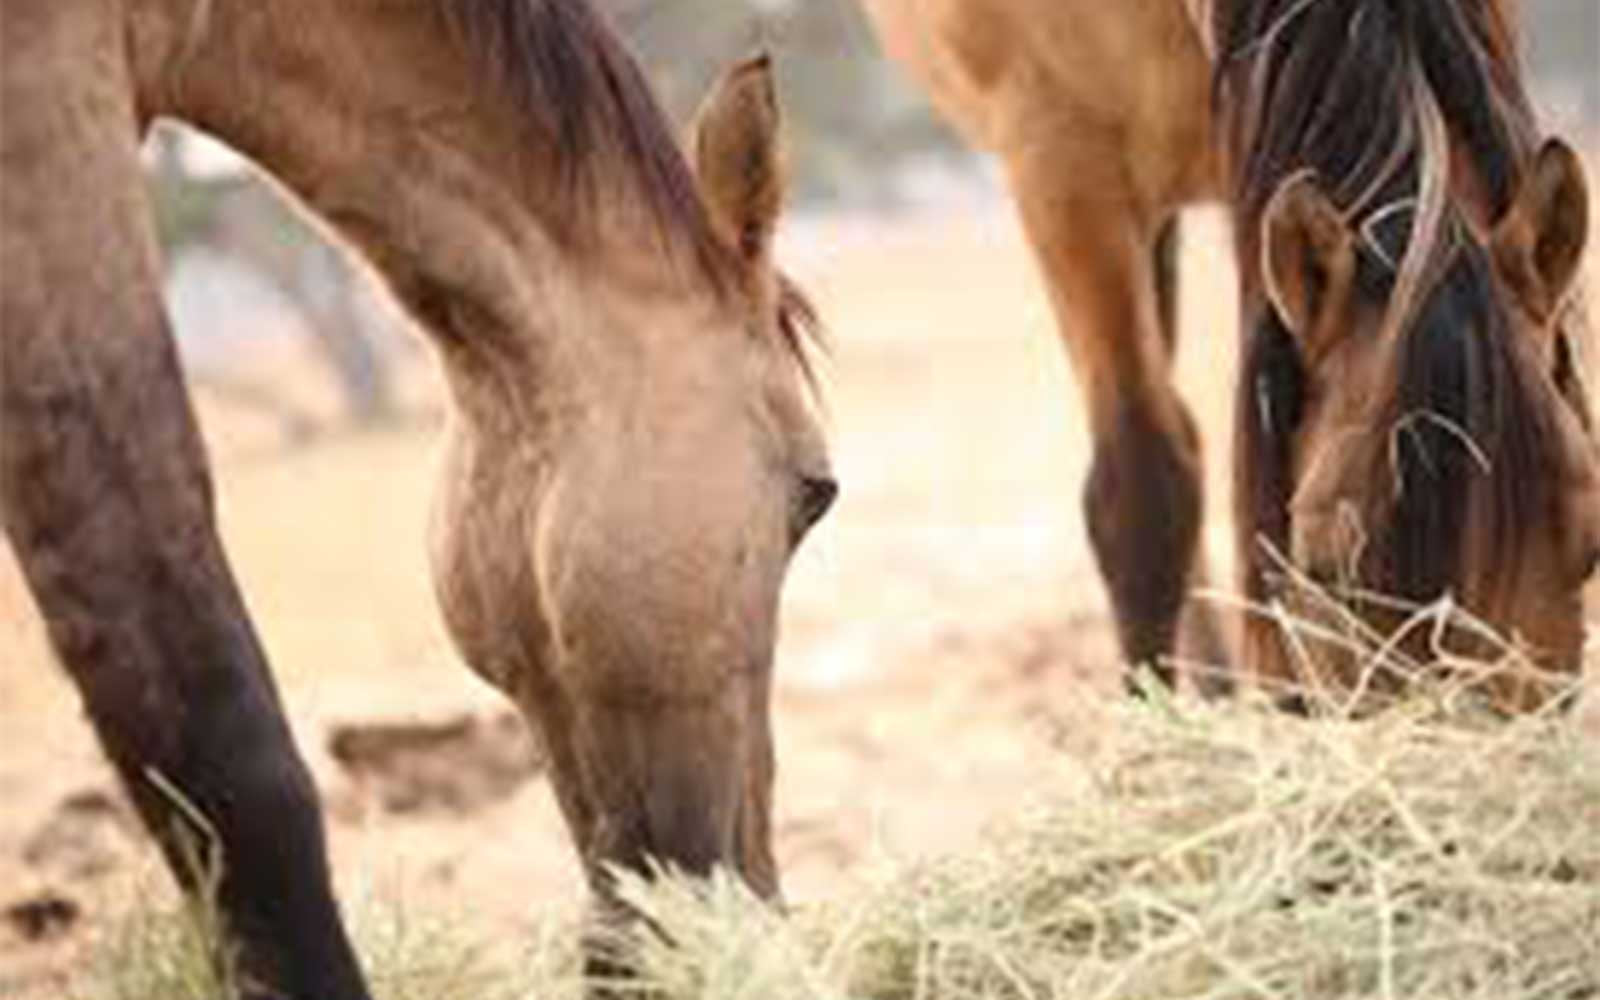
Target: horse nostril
{"points": [[817, 494]]}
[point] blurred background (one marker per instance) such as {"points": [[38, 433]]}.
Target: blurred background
{"points": [[936, 629]]}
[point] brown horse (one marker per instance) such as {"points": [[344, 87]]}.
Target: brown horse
{"points": [[632, 457], [1410, 420]]}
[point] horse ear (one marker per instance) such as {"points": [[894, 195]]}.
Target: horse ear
{"points": [[737, 156], [1307, 262], [1539, 241]]}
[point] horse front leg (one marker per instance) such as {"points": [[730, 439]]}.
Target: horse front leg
{"points": [[1096, 244], [106, 498], [107, 501]]}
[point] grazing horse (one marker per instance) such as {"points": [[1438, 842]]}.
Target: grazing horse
{"points": [[632, 455], [1410, 417]]}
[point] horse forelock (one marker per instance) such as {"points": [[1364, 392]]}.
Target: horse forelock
{"points": [[1468, 438], [1460, 453]]}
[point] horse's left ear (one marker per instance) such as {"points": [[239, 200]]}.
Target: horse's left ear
{"points": [[737, 157], [1539, 241], [1308, 261]]}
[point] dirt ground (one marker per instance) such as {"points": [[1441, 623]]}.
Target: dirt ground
{"points": [[936, 631]]}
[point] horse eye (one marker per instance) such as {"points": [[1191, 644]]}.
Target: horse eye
{"points": [[814, 496]]}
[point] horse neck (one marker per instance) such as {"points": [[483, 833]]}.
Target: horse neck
{"points": [[395, 137]]}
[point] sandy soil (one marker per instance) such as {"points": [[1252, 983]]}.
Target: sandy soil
{"points": [[937, 628]]}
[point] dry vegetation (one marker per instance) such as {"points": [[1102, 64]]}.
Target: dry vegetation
{"points": [[1199, 852], [1216, 853], [966, 809]]}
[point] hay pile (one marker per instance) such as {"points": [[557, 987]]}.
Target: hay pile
{"points": [[1185, 852], [1217, 853]]}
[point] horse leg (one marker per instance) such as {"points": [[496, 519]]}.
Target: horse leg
{"points": [[1165, 267], [105, 495], [1142, 501], [1200, 638]]}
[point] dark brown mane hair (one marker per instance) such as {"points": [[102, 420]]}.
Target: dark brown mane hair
{"points": [[1329, 86], [587, 100], [1347, 90], [585, 96], [1460, 414]]}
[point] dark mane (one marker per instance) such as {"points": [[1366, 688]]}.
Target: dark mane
{"points": [[1331, 86], [1462, 414], [1347, 89], [1459, 442], [585, 95]]}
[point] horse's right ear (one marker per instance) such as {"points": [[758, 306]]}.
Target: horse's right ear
{"points": [[1539, 242], [737, 157], [1308, 261]]}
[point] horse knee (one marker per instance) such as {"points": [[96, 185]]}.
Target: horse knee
{"points": [[1143, 504]]}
